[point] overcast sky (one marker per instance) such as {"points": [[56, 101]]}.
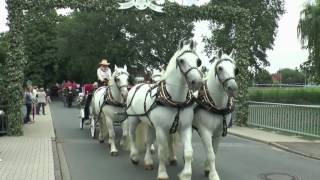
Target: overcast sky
{"points": [[287, 50]]}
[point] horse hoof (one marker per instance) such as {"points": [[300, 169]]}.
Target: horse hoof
{"points": [[163, 178], [148, 167], [173, 162], [134, 162], [114, 153], [206, 173], [101, 141]]}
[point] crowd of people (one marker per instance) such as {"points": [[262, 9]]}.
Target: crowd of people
{"points": [[35, 99]]}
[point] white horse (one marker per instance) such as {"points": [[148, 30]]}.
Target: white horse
{"points": [[167, 107], [156, 75], [214, 107], [109, 100]]}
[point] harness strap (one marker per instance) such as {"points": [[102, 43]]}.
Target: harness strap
{"points": [[175, 124], [205, 102]]}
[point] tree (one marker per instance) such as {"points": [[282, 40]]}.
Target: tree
{"points": [[132, 38], [309, 33], [263, 77], [263, 23], [3, 56], [290, 76], [39, 36]]}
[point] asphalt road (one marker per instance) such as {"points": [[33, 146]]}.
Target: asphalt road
{"points": [[237, 159]]}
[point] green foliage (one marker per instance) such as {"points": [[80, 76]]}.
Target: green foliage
{"points": [[3, 55], [264, 15], [286, 95], [125, 37], [290, 76], [309, 33], [14, 65], [263, 77], [39, 36]]}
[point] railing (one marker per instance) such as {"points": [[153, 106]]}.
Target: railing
{"points": [[3, 121], [298, 119]]}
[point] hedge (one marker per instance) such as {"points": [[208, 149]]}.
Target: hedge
{"points": [[286, 95]]}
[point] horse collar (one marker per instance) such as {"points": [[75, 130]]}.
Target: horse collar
{"points": [[109, 99], [164, 98]]}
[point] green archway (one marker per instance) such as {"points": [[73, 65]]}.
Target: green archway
{"points": [[16, 60]]}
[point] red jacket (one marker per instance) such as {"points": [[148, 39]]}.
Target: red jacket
{"points": [[88, 88]]}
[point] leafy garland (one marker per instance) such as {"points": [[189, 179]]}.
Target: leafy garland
{"points": [[16, 59]]}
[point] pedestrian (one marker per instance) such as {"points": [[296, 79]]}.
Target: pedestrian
{"points": [[41, 99], [103, 73], [35, 99], [28, 103], [48, 98]]}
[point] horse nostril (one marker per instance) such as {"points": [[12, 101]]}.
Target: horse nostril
{"points": [[229, 88], [193, 82]]}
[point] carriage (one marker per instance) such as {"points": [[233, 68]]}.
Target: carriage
{"points": [[69, 93]]}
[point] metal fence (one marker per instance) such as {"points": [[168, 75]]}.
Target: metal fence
{"points": [[3, 120], [298, 119]]}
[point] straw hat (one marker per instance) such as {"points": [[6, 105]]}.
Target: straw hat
{"points": [[104, 62]]}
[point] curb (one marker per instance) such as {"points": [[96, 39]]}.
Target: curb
{"points": [[277, 145]]}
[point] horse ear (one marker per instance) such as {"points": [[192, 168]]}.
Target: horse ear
{"points": [[193, 44], [115, 67], [220, 53], [212, 60], [233, 53], [181, 43], [125, 67]]}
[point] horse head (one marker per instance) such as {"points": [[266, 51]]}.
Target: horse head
{"points": [[187, 61], [120, 78], [225, 71]]}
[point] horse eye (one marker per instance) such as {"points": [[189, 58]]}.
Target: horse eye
{"points": [[220, 68], [236, 71], [199, 62], [181, 61]]}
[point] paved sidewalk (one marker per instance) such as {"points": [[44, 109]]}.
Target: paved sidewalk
{"points": [[29, 157], [305, 146]]}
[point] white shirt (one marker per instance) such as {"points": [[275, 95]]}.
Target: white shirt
{"points": [[41, 97], [103, 74]]}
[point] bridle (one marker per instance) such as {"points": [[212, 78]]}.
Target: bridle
{"points": [[185, 74], [223, 82], [117, 75], [122, 86]]}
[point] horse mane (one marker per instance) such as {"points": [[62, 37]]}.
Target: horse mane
{"points": [[172, 65]]}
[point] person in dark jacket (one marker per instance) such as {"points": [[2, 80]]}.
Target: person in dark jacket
{"points": [[28, 103]]}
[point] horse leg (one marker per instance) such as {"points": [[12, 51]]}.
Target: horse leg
{"points": [[148, 161], [124, 142], [162, 143], [134, 153], [112, 136], [102, 128], [215, 142], [210, 168], [172, 155], [186, 137]]}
